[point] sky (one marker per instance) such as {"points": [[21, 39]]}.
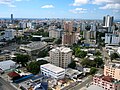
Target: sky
{"points": [[77, 9]]}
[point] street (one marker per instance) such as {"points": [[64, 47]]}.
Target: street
{"points": [[78, 85], [5, 85], [82, 84]]}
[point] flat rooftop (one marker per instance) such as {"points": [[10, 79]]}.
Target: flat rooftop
{"points": [[62, 49], [94, 87], [52, 68]]}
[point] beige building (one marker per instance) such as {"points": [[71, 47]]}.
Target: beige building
{"points": [[5, 57], [68, 39], [61, 56], [55, 33], [112, 70]]}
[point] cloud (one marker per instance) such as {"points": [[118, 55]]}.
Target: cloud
{"points": [[7, 2], [107, 4], [47, 6], [78, 10], [18, 0], [111, 6], [99, 2], [79, 2]]}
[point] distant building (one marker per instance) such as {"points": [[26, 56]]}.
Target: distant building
{"points": [[8, 34], [55, 33], [68, 26], [106, 82], [108, 21], [52, 71], [61, 56], [68, 38], [12, 18], [112, 38], [87, 35], [33, 48]]}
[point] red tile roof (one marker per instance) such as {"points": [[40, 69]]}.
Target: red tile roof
{"points": [[108, 78], [13, 74]]}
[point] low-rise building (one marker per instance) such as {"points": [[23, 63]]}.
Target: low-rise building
{"points": [[6, 65], [52, 71], [4, 57], [33, 48], [113, 70], [106, 82]]}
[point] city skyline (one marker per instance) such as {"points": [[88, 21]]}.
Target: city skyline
{"points": [[78, 9]]}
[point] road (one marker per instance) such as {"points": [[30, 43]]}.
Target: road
{"points": [[105, 55], [5, 85], [78, 85], [83, 84]]}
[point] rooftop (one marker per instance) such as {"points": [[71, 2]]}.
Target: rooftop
{"points": [[94, 87], [4, 65], [62, 49], [114, 65], [13, 74], [34, 45], [53, 68]]}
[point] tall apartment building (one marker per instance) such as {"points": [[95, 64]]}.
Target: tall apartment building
{"points": [[60, 56], [108, 21], [89, 34], [112, 70], [55, 33], [68, 39], [112, 38], [12, 18], [68, 26]]}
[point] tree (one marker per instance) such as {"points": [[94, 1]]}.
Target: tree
{"points": [[42, 54], [114, 56], [34, 67], [79, 53], [72, 65], [97, 53], [23, 59], [93, 70], [98, 61], [58, 41]]}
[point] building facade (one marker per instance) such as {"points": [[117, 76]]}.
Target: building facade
{"points": [[106, 82], [55, 33], [112, 38], [52, 71], [112, 70], [61, 56], [68, 38], [108, 21]]}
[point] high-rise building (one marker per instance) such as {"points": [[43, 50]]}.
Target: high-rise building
{"points": [[61, 56], [68, 26], [112, 38], [11, 18], [108, 21], [68, 38]]}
